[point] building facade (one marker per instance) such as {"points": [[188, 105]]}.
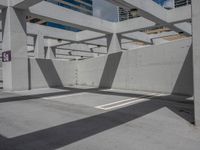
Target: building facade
{"points": [[124, 14], [179, 3]]}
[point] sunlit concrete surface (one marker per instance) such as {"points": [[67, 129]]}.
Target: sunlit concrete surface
{"points": [[111, 85], [68, 118]]}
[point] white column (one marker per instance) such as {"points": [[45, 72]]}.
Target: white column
{"points": [[15, 72], [113, 43], [196, 57], [39, 46]]}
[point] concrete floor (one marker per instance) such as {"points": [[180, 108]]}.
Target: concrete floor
{"points": [[70, 119]]}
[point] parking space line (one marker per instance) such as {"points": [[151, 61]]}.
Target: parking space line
{"points": [[125, 102], [63, 96]]}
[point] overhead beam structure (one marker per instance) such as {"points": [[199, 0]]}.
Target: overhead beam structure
{"points": [[133, 25], [49, 32], [149, 10], [138, 37], [34, 29], [69, 17], [23, 4], [87, 35], [101, 27]]}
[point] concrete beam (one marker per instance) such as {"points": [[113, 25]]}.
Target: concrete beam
{"points": [[79, 53], [149, 9], [77, 47], [98, 42], [88, 35], [23, 4], [185, 26], [56, 43], [138, 36], [163, 34], [68, 17], [196, 58], [61, 56], [179, 14], [82, 48], [132, 25], [50, 32], [82, 36]]}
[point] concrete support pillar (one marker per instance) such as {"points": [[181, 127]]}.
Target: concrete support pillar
{"points": [[113, 43], [51, 52], [15, 71], [39, 46], [196, 57]]}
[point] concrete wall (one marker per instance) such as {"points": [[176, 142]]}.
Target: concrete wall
{"points": [[51, 73], [1, 78], [163, 68]]}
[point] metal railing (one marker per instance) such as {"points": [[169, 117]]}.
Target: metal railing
{"points": [[179, 3]]}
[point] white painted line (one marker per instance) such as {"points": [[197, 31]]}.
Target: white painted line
{"points": [[124, 104], [63, 96], [151, 94], [125, 100], [134, 101]]}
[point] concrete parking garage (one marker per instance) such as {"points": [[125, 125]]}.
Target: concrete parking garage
{"points": [[102, 93]]}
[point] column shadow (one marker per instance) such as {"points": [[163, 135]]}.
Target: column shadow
{"points": [[68, 133], [50, 73], [184, 82], [110, 70]]}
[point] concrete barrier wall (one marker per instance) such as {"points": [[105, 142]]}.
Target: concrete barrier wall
{"points": [[163, 68], [51, 73], [1, 78]]}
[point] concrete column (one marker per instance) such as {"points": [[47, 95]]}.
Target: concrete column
{"points": [[39, 46], [15, 72], [196, 57], [113, 43], [51, 52]]}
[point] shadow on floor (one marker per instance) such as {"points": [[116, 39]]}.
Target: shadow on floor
{"points": [[172, 101], [35, 96], [65, 134]]}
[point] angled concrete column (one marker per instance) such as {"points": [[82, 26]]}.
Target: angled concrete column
{"points": [[15, 71], [196, 57], [39, 46], [51, 52], [113, 43]]}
